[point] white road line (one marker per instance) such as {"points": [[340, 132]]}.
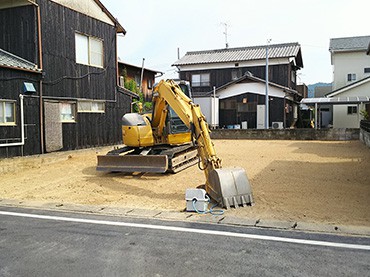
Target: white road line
{"points": [[189, 230]]}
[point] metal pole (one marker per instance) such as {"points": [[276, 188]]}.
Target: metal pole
{"points": [[316, 116], [267, 87], [214, 108], [141, 77]]}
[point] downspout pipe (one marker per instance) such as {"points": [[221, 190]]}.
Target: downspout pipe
{"points": [[41, 102], [22, 128]]}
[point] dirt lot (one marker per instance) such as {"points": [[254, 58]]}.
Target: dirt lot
{"points": [[326, 182]]}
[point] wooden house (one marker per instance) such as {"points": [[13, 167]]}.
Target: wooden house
{"points": [[59, 76], [135, 73], [214, 69]]}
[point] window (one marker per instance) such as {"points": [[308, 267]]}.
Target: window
{"points": [[293, 76], [67, 112], [200, 80], [352, 110], [89, 50], [351, 77], [235, 74], [7, 112], [137, 80], [150, 84], [90, 106], [367, 70]]}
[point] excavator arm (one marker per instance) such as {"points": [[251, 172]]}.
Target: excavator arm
{"points": [[228, 187]]}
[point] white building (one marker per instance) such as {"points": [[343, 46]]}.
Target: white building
{"points": [[351, 78]]}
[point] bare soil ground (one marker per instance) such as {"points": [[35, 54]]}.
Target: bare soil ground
{"points": [[311, 181]]}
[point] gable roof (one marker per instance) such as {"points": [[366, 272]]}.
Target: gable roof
{"points": [[10, 60], [349, 44], [349, 87], [286, 50], [94, 9]]}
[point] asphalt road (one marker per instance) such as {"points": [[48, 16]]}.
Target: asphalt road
{"points": [[44, 243]]}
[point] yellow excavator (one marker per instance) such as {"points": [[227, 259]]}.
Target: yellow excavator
{"points": [[141, 134], [150, 146]]}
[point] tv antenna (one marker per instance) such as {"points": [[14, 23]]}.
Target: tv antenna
{"points": [[225, 33]]}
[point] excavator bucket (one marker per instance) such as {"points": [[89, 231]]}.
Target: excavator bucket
{"points": [[229, 187], [132, 163]]}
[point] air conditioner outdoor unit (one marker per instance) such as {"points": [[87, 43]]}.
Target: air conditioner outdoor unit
{"points": [[277, 125]]}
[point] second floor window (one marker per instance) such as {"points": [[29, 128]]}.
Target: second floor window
{"points": [[89, 50], [200, 80], [351, 77]]}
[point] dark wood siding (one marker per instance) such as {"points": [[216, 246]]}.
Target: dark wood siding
{"points": [[63, 78], [279, 74], [18, 32], [11, 86], [231, 115], [67, 80]]}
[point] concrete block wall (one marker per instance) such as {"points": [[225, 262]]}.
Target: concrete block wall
{"points": [[365, 137], [288, 134]]}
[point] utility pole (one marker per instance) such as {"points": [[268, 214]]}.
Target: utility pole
{"points": [[267, 86]]}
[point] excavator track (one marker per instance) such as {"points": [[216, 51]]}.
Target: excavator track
{"points": [[181, 157], [156, 159]]}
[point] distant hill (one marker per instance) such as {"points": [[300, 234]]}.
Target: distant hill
{"points": [[311, 88]]}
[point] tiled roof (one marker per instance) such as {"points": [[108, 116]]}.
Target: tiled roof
{"points": [[240, 54], [349, 43], [127, 92], [10, 60]]}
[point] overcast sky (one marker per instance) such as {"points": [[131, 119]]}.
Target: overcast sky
{"points": [[156, 28]]}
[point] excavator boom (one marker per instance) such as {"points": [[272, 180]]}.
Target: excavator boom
{"points": [[228, 187]]}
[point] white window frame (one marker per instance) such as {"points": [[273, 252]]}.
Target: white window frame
{"points": [[90, 106], [67, 112], [201, 83], [3, 117], [86, 54]]}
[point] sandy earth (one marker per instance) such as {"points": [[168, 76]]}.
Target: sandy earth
{"points": [[311, 181]]}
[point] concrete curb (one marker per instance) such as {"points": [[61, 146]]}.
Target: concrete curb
{"points": [[192, 217]]}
